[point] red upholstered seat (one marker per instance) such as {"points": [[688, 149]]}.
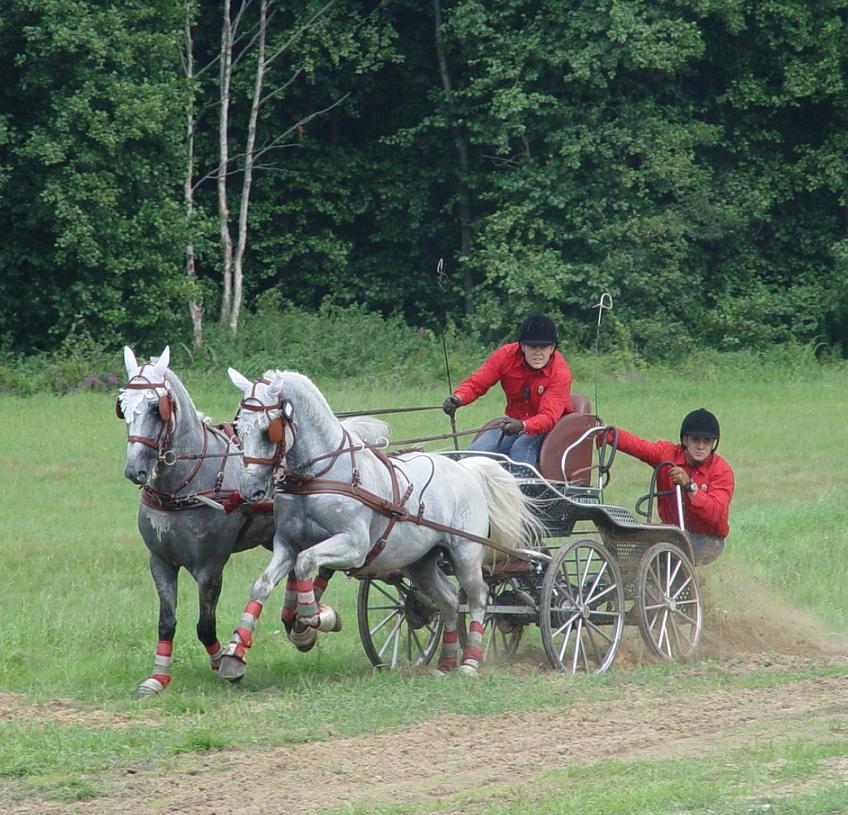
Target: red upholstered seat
{"points": [[564, 433]]}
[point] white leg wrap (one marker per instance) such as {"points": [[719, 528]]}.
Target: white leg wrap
{"points": [[302, 638], [328, 619], [150, 687]]}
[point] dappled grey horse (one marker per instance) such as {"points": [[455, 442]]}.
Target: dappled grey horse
{"points": [[182, 461], [342, 505]]}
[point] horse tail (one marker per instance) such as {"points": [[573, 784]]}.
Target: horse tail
{"points": [[513, 518], [368, 429]]}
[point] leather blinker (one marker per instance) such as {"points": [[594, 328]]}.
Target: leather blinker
{"points": [[166, 407], [276, 430]]}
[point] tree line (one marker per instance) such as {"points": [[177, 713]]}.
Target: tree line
{"points": [[166, 166]]}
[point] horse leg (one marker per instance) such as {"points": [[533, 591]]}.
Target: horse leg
{"points": [[431, 581], [165, 579], [342, 551], [208, 592], [233, 662], [302, 636], [469, 572]]}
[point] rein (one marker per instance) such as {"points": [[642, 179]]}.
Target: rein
{"points": [[393, 508], [349, 414]]}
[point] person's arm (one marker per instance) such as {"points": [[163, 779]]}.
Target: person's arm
{"points": [[555, 401], [488, 374], [651, 452], [712, 505]]}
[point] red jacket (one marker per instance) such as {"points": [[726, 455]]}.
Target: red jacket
{"points": [[705, 511], [536, 397]]}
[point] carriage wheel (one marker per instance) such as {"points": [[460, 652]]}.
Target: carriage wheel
{"points": [[669, 602], [399, 628], [582, 612], [502, 633]]}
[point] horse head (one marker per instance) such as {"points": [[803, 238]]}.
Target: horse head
{"points": [[147, 405], [265, 427]]}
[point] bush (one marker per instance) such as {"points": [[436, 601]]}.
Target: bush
{"points": [[336, 343]]}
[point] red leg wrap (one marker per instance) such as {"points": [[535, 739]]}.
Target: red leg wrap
{"points": [[245, 636]]}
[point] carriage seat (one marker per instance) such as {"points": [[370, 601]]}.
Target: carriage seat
{"points": [[564, 433]]}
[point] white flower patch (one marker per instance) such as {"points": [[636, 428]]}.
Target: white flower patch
{"points": [[250, 420], [135, 402]]}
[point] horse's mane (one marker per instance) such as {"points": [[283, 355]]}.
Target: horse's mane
{"points": [[368, 429]]}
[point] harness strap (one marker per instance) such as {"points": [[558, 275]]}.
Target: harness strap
{"points": [[390, 509]]}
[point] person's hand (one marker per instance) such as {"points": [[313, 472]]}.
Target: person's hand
{"points": [[512, 427], [605, 438], [679, 476], [450, 405]]}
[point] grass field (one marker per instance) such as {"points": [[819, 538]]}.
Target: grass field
{"points": [[79, 621]]}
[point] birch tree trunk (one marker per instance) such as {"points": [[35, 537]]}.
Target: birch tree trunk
{"points": [[462, 160], [249, 159], [225, 74], [195, 307]]}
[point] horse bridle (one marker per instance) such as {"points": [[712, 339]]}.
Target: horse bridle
{"points": [[276, 426], [166, 408]]}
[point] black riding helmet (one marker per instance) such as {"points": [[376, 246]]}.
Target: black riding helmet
{"points": [[701, 423], [538, 329]]}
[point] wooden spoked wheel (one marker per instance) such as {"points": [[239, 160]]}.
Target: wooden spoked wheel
{"points": [[668, 602], [582, 608], [399, 627]]}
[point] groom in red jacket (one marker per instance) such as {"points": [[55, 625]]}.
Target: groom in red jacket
{"points": [[704, 477]]}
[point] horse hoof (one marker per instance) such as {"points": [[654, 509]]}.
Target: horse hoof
{"points": [[329, 619], [150, 687], [303, 638], [232, 669], [468, 670]]}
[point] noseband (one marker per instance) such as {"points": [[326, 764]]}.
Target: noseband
{"points": [[166, 408], [276, 427]]}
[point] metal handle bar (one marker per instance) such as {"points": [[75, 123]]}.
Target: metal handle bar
{"points": [[654, 493], [603, 465]]}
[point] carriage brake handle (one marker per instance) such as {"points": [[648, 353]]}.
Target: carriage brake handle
{"points": [[678, 494]]}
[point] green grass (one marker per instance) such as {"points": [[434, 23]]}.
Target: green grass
{"points": [[729, 784], [79, 610]]}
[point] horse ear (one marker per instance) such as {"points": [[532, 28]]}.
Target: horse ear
{"points": [[241, 382], [162, 362], [130, 362]]}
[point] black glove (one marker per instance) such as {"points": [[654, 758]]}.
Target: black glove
{"points": [[450, 405], [512, 427]]}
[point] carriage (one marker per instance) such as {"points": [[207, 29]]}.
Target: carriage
{"points": [[601, 567]]}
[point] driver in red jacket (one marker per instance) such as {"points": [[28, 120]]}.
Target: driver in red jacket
{"points": [[537, 382], [704, 477]]}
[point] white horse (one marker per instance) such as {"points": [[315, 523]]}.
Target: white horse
{"points": [[342, 505]]}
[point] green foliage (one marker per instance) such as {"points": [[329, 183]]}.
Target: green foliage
{"points": [[335, 344], [687, 156], [93, 99]]}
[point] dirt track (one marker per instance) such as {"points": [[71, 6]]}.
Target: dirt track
{"points": [[443, 756]]}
